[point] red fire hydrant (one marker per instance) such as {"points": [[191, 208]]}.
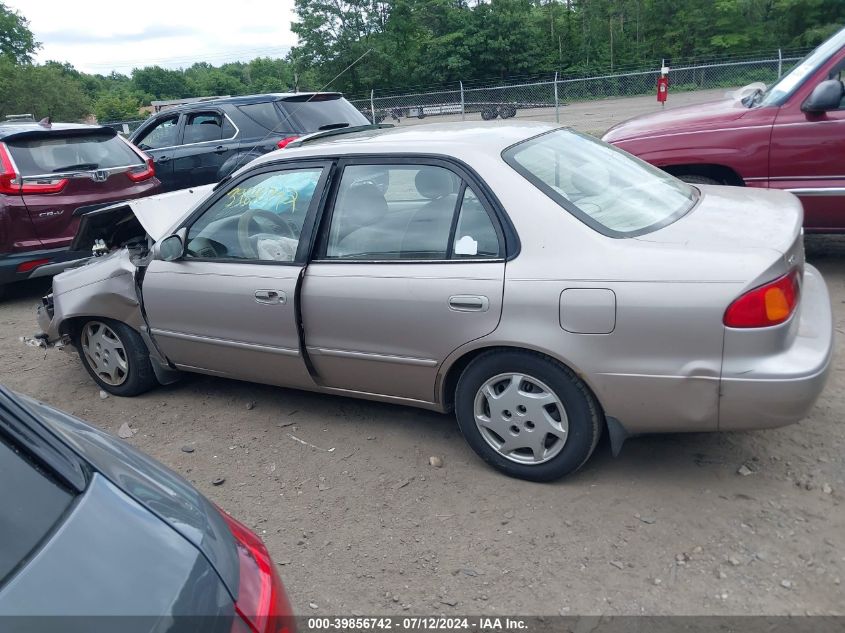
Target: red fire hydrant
{"points": [[662, 88]]}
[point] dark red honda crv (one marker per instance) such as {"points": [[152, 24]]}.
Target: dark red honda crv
{"points": [[50, 175]]}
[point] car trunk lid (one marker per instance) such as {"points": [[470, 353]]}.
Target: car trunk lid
{"points": [[737, 218]]}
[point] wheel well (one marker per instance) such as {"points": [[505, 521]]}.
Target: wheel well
{"points": [[450, 381], [723, 174]]}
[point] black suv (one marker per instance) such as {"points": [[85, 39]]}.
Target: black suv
{"points": [[203, 142]]}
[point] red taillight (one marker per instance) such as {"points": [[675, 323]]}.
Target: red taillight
{"points": [[11, 182], [8, 176], [770, 304], [262, 603], [142, 172], [284, 142], [32, 264]]}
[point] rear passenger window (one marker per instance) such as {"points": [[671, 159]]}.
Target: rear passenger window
{"points": [[31, 501], [203, 126], [408, 212]]}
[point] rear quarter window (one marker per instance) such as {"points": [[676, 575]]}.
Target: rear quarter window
{"points": [[54, 154], [32, 502]]}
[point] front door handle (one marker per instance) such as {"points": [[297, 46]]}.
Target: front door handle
{"points": [[270, 297], [469, 303]]}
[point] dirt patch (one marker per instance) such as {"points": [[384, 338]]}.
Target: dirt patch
{"points": [[359, 520]]}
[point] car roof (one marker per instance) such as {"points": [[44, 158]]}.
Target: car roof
{"points": [[9, 128], [245, 99], [454, 139]]}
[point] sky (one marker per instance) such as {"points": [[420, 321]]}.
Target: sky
{"points": [[99, 36]]}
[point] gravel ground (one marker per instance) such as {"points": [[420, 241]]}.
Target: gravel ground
{"points": [[591, 116], [358, 520]]}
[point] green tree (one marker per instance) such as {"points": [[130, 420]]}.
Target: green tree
{"points": [[16, 40]]}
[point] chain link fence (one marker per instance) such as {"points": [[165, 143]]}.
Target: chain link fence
{"points": [[542, 98]]}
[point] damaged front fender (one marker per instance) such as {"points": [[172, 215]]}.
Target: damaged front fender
{"points": [[105, 288]]}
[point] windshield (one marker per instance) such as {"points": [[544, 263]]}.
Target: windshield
{"points": [[313, 113], [607, 189], [778, 92]]}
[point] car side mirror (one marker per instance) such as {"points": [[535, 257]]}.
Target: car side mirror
{"points": [[172, 248], [826, 96]]}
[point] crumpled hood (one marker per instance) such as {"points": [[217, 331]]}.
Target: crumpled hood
{"points": [[157, 215], [682, 119]]}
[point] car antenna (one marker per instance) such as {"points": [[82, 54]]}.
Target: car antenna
{"points": [[288, 116], [46, 122]]}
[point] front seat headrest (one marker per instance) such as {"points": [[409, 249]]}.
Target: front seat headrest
{"points": [[365, 203]]}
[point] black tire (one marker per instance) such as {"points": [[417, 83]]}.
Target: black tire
{"points": [[140, 376], [582, 410], [507, 111], [489, 113], [695, 179]]}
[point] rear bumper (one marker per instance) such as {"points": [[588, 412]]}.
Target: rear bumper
{"points": [[782, 388], [59, 260]]}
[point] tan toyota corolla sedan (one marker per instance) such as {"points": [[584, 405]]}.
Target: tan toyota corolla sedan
{"points": [[539, 282]]}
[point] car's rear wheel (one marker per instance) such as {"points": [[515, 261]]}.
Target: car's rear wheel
{"points": [[116, 357], [696, 179], [527, 415]]}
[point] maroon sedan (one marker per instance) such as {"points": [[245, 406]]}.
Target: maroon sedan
{"points": [[50, 175], [789, 136]]}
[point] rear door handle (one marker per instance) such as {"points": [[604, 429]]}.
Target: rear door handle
{"points": [[219, 149], [469, 303], [270, 297], [161, 159]]}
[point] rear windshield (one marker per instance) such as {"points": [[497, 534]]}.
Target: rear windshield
{"points": [[31, 501], [54, 154], [311, 113], [609, 190]]}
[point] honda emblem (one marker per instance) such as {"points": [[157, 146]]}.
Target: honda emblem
{"points": [[100, 175]]}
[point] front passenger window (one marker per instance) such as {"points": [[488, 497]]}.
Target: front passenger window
{"points": [[260, 219], [163, 134]]}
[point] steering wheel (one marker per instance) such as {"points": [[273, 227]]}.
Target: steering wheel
{"points": [[244, 237]]}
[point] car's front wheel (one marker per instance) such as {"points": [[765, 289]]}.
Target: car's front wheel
{"points": [[116, 357], [527, 415]]}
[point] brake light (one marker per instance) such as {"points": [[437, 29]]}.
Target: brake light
{"points": [[142, 172], [284, 142], [770, 304], [12, 183], [262, 604], [32, 264]]}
